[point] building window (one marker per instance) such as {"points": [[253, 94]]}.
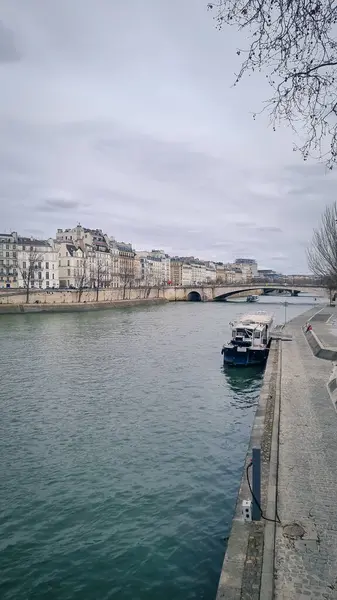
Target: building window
{"points": [[52, 275], [68, 272], [39, 265], [31, 248], [47, 265], [7, 246], [23, 247], [14, 254], [14, 278], [47, 275], [7, 254], [40, 275], [59, 263], [68, 263]]}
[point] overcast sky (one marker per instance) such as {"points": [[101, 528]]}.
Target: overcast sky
{"points": [[120, 115]]}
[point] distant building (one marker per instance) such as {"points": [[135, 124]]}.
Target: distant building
{"points": [[126, 264], [100, 256], [176, 270], [248, 267], [71, 265], [27, 262], [154, 267], [269, 275]]}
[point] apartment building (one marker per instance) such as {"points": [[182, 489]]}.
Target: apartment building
{"points": [[98, 258], [26, 262]]}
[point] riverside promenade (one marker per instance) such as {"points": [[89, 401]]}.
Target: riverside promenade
{"points": [[296, 558]]}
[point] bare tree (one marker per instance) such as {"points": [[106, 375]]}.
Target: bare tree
{"points": [[82, 277], [293, 41], [160, 284], [100, 276], [27, 269], [322, 254], [127, 276]]}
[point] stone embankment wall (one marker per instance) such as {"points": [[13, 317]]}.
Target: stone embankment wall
{"points": [[75, 306], [72, 296]]}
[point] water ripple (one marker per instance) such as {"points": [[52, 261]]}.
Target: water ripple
{"points": [[122, 442]]}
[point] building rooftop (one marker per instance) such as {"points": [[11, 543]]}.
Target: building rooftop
{"points": [[32, 242]]}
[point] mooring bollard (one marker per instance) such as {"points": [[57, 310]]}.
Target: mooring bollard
{"points": [[256, 484]]}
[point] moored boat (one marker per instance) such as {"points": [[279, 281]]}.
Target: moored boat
{"points": [[252, 298], [251, 337]]}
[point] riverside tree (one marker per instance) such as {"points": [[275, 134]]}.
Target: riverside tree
{"points": [[293, 43], [322, 253], [30, 264], [126, 276], [101, 276], [81, 277]]}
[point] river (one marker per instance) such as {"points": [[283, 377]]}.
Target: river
{"points": [[122, 443]]}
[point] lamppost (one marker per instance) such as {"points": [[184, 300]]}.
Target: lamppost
{"points": [[285, 311]]}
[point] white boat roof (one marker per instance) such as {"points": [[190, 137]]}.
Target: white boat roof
{"points": [[257, 318]]}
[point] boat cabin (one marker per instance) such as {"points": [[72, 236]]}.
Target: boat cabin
{"points": [[252, 330]]}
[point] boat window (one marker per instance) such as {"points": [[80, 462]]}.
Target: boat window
{"points": [[243, 333], [257, 335]]}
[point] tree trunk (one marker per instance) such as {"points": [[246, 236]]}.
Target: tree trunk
{"points": [[97, 292], [27, 294]]}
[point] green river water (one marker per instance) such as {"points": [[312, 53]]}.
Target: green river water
{"points": [[122, 441]]}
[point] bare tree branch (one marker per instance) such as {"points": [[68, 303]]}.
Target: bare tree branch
{"points": [[81, 277], [294, 43], [322, 254], [28, 267], [127, 276]]}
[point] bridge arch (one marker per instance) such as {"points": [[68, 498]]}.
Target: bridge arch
{"points": [[256, 288], [193, 296]]}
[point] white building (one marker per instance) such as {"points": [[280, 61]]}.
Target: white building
{"points": [[28, 262], [248, 268], [198, 273], [71, 265], [99, 255], [153, 267], [210, 272], [186, 274]]}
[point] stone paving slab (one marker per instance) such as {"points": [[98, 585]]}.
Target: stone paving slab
{"points": [[307, 479]]}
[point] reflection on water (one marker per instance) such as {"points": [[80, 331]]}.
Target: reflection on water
{"points": [[245, 384]]}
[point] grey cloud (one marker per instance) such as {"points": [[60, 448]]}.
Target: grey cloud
{"points": [[269, 228], [57, 205], [104, 123], [245, 224], [8, 48]]}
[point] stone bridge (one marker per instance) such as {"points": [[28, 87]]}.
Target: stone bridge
{"points": [[207, 293]]}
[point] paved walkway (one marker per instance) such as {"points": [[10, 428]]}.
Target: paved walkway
{"points": [[307, 487], [325, 326]]}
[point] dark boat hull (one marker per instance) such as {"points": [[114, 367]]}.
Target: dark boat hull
{"points": [[243, 358]]}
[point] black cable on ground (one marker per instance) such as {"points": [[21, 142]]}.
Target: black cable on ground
{"points": [[277, 520]]}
